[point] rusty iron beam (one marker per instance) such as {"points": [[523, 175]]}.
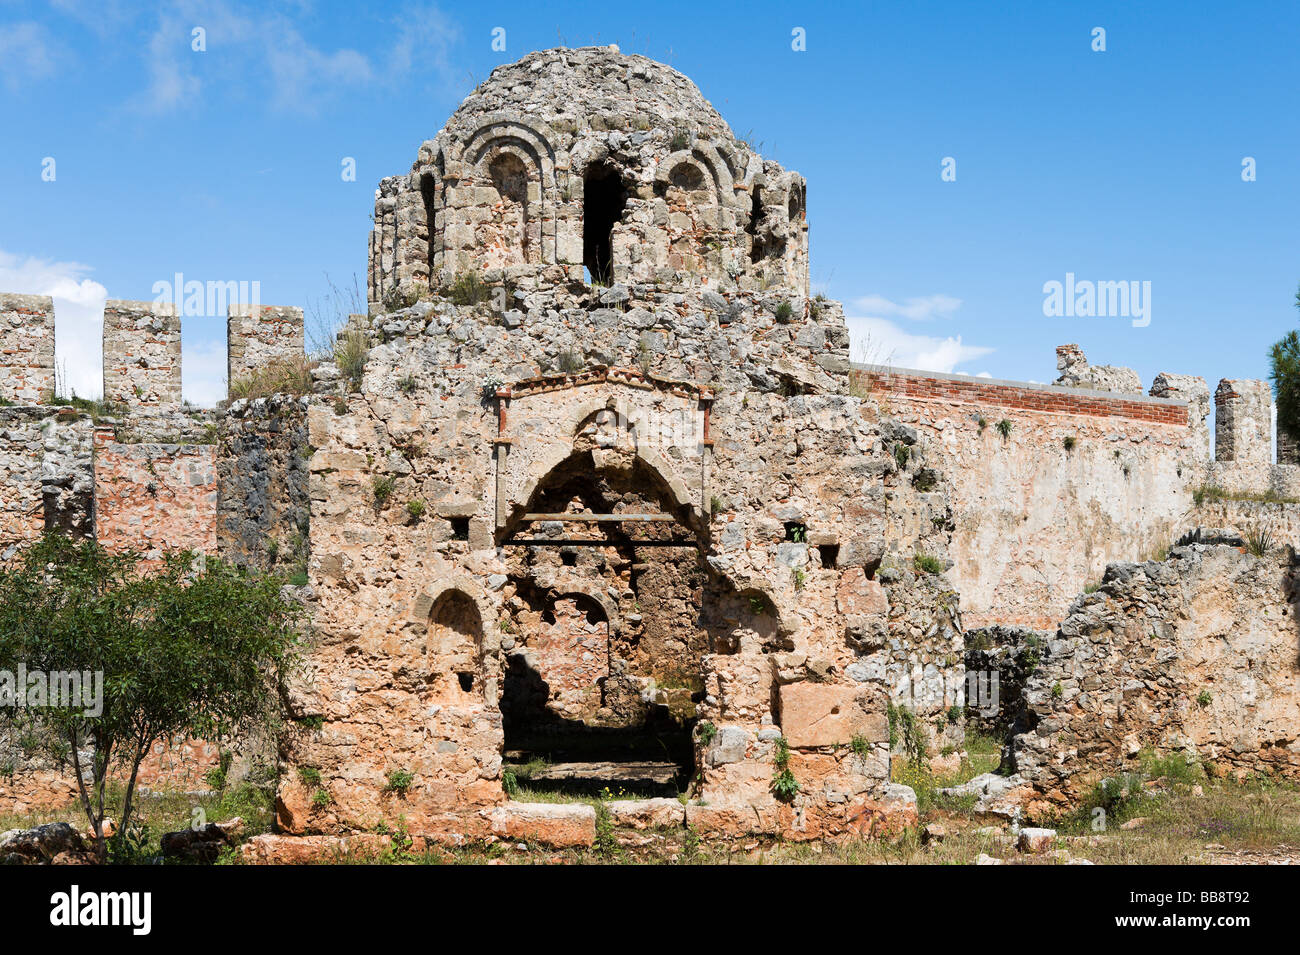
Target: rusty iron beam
{"points": [[602, 518]]}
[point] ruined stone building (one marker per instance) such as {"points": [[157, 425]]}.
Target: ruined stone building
{"points": [[597, 482]]}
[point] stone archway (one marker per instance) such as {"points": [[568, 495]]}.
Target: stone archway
{"points": [[603, 705]]}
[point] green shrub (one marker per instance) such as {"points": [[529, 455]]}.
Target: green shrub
{"points": [[906, 731], [415, 509], [784, 312], [399, 781], [309, 775], [382, 488], [1004, 428], [469, 289]]}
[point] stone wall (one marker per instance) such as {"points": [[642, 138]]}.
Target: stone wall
{"points": [[22, 449], [26, 348], [142, 355], [1194, 655], [263, 511], [1078, 480], [46, 473], [734, 421], [261, 335], [154, 496]]}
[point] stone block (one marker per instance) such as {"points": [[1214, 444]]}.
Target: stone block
{"points": [[823, 714], [856, 595], [552, 824]]}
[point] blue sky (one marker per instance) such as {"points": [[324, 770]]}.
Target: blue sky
{"points": [[1122, 165]]}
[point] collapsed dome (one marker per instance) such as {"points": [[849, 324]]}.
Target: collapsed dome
{"points": [[589, 165]]}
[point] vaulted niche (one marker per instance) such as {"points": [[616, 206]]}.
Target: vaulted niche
{"points": [[603, 670], [510, 179], [604, 199]]}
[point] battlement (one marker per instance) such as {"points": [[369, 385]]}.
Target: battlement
{"points": [[142, 368], [258, 335], [26, 348], [142, 355], [1243, 422]]}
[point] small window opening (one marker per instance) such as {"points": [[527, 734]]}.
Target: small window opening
{"points": [[756, 250], [796, 532], [460, 528], [569, 558], [466, 681], [829, 553], [604, 199], [428, 189]]}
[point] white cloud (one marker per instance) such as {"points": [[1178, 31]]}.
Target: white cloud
{"points": [[245, 43], [78, 316], [878, 341], [917, 309], [203, 372], [27, 52]]}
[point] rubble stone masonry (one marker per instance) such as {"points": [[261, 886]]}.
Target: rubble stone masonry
{"points": [[261, 335], [142, 355], [26, 348]]}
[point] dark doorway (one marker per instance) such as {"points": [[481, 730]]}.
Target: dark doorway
{"points": [[604, 198]]}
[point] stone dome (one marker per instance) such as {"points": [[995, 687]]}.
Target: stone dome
{"points": [[592, 87], [588, 168]]}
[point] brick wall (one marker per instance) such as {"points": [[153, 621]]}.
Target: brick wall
{"points": [[150, 496]]}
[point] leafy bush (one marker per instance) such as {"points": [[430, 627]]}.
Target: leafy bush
{"points": [[382, 488], [194, 648], [469, 289], [399, 781]]}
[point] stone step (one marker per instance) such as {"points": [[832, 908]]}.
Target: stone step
{"points": [[656, 773]]}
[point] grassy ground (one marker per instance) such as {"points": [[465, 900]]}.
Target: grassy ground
{"points": [[156, 813], [1169, 813]]}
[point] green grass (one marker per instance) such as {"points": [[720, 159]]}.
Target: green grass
{"points": [[926, 564]]}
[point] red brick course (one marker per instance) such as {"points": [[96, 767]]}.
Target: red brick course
{"points": [[1026, 398]]}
